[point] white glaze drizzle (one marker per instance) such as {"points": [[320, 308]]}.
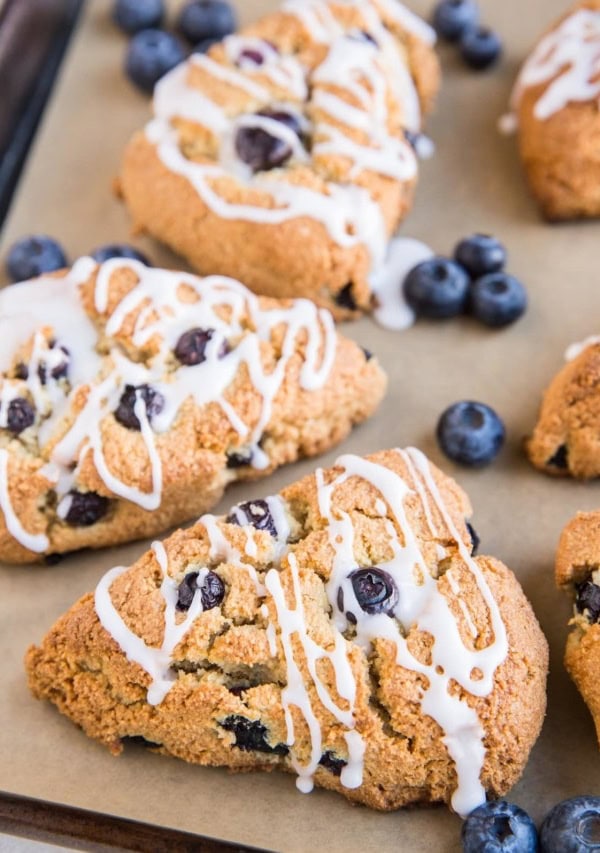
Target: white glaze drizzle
{"points": [[421, 606], [574, 350], [36, 542], [161, 316], [391, 309], [348, 213], [568, 59]]}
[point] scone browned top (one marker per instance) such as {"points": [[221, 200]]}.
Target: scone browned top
{"points": [[566, 438], [342, 630], [291, 140], [555, 106], [131, 396]]}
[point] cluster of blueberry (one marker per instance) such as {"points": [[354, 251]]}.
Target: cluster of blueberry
{"points": [[152, 50], [458, 21], [474, 282], [38, 254], [572, 826]]}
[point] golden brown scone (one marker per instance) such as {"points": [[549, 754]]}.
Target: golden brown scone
{"points": [[342, 630], [130, 397], [282, 158], [556, 106], [566, 438], [577, 571]]}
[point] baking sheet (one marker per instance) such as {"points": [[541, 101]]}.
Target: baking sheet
{"points": [[473, 183]]}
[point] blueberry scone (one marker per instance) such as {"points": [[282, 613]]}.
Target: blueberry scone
{"points": [[555, 104], [130, 397], [285, 156], [342, 631], [578, 573], [566, 438]]}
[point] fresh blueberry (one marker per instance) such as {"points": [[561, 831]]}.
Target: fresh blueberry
{"points": [[572, 826], [205, 45], [212, 591], [251, 735], [118, 250], [437, 288], [480, 48], [32, 256], [588, 598], [375, 590], [190, 349], [135, 15], [239, 458], [204, 19], [86, 508], [497, 299], [256, 513], [58, 371], [151, 53], [290, 120], [470, 433], [253, 55], [345, 298], [499, 827], [480, 254], [331, 762], [125, 411], [560, 459], [452, 18], [367, 354], [260, 150], [20, 415]]}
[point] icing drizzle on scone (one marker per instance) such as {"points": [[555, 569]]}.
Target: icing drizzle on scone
{"points": [[360, 124], [402, 594], [190, 338], [568, 59]]}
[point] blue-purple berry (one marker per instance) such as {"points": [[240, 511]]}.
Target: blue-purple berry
{"points": [[480, 254], [499, 827], [437, 288], [572, 826], [33, 256], [150, 55], [470, 433], [205, 19], [497, 299], [131, 16], [118, 250], [480, 48], [452, 18]]}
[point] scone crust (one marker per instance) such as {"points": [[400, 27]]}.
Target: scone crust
{"points": [[193, 451], [298, 256], [566, 438], [561, 154], [577, 557], [84, 672]]}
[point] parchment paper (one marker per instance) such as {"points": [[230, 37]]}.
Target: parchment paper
{"points": [[473, 183]]}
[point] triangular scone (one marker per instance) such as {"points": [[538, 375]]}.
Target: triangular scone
{"points": [[555, 103], [284, 156], [130, 397], [342, 630], [578, 572], [566, 438]]}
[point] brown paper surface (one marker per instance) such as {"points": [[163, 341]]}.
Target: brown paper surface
{"points": [[473, 183]]}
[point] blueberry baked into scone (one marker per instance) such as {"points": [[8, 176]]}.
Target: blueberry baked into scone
{"points": [[130, 397], [578, 573], [284, 157], [342, 630], [566, 437], [555, 104]]}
